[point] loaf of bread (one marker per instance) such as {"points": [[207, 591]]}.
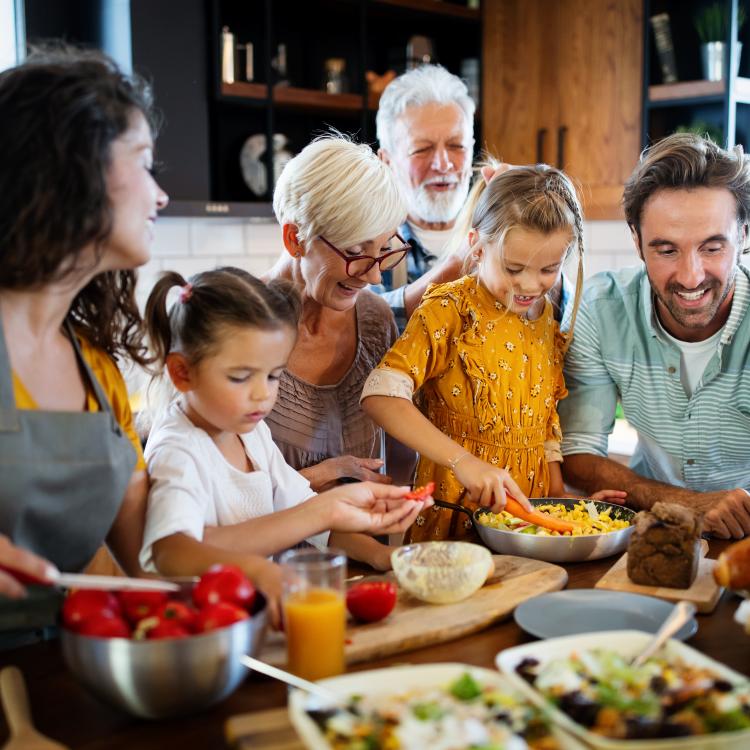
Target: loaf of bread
{"points": [[664, 548]]}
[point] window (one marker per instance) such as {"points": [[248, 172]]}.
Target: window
{"points": [[9, 32]]}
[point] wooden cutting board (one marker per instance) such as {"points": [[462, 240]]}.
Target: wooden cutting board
{"points": [[414, 624], [262, 730], [704, 592]]}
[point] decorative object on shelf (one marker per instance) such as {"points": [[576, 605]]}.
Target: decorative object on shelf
{"points": [[253, 167], [712, 23], [278, 63], [473, 4], [228, 58], [419, 51], [247, 50], [470, 75], [664, 47], [376, 84], [335, 80]]}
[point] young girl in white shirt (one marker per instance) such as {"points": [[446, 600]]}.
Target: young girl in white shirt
{"points": [[220, 489]]}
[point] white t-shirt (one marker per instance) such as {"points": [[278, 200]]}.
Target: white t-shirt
{"points": [[695, 356], [193, 485], [434, 241]]}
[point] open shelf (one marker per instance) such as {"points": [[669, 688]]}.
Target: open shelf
{"points": [[694, 91], [435, 6], [292, 97]]}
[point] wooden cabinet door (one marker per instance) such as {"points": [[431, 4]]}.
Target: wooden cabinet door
{"points": [[599, 97], [519, 69], [571, 69]]}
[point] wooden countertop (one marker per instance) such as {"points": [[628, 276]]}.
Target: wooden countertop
{"points": [[63, 710]]}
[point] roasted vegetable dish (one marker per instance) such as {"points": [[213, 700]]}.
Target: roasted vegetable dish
{"points": [[600, 690], [462, 715]]}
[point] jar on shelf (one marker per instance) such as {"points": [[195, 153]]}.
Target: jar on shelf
{"points": [[335, 80]]}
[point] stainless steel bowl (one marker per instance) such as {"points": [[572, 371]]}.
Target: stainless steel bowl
{"points": [[161, 678], [553, 548]]}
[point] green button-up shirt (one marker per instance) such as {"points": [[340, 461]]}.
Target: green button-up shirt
{"points": [[618, 352]]}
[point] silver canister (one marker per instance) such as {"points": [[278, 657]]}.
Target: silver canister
{"points": [[228, 59], [713, 55]]}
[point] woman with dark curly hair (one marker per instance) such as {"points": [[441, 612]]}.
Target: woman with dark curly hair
{"points": [[78, 203]]}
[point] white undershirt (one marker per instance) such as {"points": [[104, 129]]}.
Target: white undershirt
{"points": [[434, 241], [695, 356]]}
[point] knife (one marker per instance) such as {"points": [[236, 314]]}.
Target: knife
{"points": [[82, 581]]}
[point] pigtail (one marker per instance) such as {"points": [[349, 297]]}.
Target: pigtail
{"points": [[157, 318], [465, 219]]}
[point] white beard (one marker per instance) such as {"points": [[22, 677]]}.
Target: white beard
{"points": [[438, 207]]}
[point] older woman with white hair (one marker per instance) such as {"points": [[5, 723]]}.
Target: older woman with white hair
{"points": [[339, 207]]}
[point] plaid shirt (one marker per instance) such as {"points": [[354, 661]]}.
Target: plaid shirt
{"points": [[618, 352], [418, 262]]}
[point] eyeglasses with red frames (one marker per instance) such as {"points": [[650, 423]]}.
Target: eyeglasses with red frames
{"points": [[359, 265]]}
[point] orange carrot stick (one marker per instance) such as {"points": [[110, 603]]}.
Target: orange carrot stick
{"points": [[515, 508]]}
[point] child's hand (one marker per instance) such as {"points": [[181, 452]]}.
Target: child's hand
{"points": [[266, 577], [487, 485], [371, 507]]}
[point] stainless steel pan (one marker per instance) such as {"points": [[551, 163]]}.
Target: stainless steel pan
{"points": [[552, 548]]}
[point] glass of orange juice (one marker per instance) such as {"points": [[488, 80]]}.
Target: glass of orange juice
{"points": [[314, 611]]}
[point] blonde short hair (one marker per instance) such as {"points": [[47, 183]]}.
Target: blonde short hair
{"points": [[340, 189]]}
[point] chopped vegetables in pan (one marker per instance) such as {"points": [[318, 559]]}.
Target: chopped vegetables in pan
{"points": [[587, 519]]}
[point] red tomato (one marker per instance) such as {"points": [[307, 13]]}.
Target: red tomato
{"points": [[167, 629], [421, 493], [140, 604], [104, 625], [178, 612], [82, 604], [370, 601], [219, 616], [224, 583]]}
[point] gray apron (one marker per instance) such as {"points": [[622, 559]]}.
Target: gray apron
{"points": [[62, 476]]}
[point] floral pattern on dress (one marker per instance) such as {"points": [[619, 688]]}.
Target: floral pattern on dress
{"points": [[488, 378]]}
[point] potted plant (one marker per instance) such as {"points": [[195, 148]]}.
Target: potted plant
{"points": [[711, 23]]}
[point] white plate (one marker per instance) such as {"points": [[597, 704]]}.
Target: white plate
{"points": [[397, 679], [628, 643], [577, 611]]}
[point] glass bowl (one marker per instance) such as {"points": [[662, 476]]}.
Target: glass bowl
{"points": [[442, 572]]}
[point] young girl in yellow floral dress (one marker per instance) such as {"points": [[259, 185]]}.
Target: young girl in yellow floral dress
{"points": [[483, 356]]}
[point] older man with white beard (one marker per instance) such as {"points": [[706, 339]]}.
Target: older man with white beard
{"points": [[425, 125]]}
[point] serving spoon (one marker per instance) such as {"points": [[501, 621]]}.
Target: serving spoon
{"points": [[680, 614], [15, 701]]}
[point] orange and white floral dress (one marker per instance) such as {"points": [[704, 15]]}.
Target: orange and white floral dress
{"points": [[486, 377]]}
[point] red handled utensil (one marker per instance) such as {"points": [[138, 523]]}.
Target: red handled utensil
{"points": [[81, 581]]}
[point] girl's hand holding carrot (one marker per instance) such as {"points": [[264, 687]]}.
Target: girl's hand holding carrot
{"points": [[487, 484]]}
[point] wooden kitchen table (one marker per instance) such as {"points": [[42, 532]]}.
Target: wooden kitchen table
{"points": [[63, 710]]}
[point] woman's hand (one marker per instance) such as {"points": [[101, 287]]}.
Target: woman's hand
{"points": [[487, 485], [372, 508], [24, 562], [324, 475]]}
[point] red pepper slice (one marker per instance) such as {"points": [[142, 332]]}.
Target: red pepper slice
{"points": [[421, 493]]}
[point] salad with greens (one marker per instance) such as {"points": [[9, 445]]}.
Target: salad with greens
{"points": [[600, 690], [463, 715]]}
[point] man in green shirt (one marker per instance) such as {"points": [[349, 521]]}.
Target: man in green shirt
{"points": [[671, 341]]}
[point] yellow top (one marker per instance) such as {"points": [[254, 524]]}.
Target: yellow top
{"points": [[488, 378], [107, 373]]}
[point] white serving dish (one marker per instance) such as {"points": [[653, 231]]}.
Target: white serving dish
{"points": [[627, 643], [396, 680]]}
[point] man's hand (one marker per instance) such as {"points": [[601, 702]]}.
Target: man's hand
{"points": [[24, 562], [729, 518]]}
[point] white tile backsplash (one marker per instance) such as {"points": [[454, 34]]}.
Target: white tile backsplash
{"points": [[191, 245]]}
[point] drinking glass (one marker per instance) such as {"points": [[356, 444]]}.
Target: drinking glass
{"points": [[314, 611]]}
